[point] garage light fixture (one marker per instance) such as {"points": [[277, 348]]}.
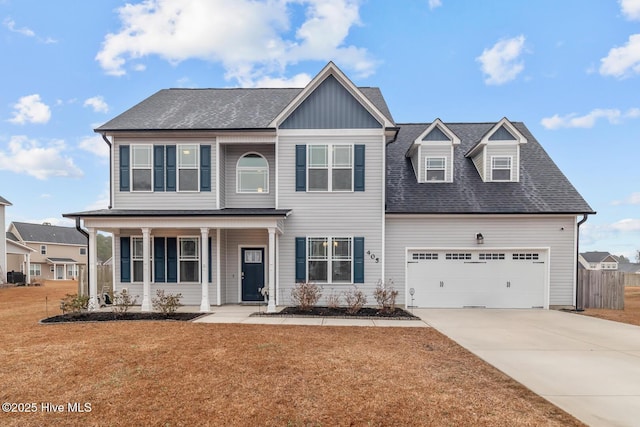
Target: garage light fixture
{"points": [[479, 238]]}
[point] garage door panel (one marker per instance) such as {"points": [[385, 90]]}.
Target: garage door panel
{"points": [[493, 279]]}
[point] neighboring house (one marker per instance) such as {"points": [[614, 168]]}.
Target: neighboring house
{"points": [[598, 261], [630, 267], [218, 193], [59, 253]]}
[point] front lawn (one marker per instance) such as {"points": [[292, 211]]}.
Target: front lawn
{"points": [[185, 374]]}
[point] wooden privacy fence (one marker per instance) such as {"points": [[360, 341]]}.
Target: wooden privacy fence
{"points": [[631, 279], [601, 289]]}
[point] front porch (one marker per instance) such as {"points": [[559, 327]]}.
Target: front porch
{"points": [[226, 257]]}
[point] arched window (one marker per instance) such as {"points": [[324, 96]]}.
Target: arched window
{"points": [[252, 174]]}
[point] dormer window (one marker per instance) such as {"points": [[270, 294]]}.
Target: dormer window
{"points": [[501, 168], [435, 168]]}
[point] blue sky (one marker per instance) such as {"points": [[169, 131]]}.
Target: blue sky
{"points": [[569, 69]]}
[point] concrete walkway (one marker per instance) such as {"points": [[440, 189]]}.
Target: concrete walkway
{"points": [[242, 314], [589, 367]]}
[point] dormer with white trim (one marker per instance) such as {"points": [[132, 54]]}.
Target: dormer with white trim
{"points": [[497, 155], [431, 153]]}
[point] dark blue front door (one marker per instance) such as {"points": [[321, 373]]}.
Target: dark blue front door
{"points": [[252, 274]]}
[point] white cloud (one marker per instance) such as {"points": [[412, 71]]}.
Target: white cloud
{"points": [[630, 9], [434, 3], [28, 157], [262, 43], [102, 200], [299, 80], [96, 145], [11, 26], [97, 103], [502, 62], [627, 225], [633, 199], [622, 61], [30, 109], [573, 120]]}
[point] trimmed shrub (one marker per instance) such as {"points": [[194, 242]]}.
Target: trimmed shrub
{"points": [[122, 301], [74, 303], [305, 295], [385, 296], [333, 300], [166, 303], [356, 299]]}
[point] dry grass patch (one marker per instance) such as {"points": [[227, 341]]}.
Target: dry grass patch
{"points": [[631, 312], [183, 374]]}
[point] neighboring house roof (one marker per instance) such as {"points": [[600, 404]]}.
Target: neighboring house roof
{"points": [[11, 236], [4, 201], [630, 267], [43, 233], [209, 109], [595, 256], [62, 260], [542, 188]]}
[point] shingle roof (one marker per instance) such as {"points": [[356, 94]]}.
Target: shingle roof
{"points": [[4, 201], [49, 234], [594, 256], [180, 212], [542, 187], [203, 109]]}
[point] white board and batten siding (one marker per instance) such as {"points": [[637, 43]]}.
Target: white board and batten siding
{"points": [[162, 199], [332, 214], [550, 235]]}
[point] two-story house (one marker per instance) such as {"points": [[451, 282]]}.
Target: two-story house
{"points": [[595, 260], [56, 252], [219, 193]]}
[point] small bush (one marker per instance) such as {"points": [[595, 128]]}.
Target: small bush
{"points": [[166, 303], [305, 295], [385, 296], [356, 299], [333, 300], [122, 301], [74, 303]]}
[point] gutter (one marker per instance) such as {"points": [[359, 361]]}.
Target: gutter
{"points": [[110, 171], [578, 287], [88, 247]]}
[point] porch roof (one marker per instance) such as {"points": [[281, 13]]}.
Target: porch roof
{"points": [[227, 212], [62, 261]]}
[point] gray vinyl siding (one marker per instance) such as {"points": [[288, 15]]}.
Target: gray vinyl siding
{"points": [[436, 151], [233, 199], [555, 232], [503, 150], [330, 106], [231, 259], [191, 292], [162, 199], [478, 161], [416, 167], [222, 176], [332, 214]]}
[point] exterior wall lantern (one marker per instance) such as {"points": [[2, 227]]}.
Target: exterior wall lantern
{"points": [[479, 238]]}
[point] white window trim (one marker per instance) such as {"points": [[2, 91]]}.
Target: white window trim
{"points": [[330, 259], [196, 167], [132, 167], [198, 258], [43, 249], [491, 169], [136, 259], [426, 168], [241, 168], [330, 167], [35, 269]]}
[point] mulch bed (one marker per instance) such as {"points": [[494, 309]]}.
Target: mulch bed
{"points": [[364, 313], [103, 316]]}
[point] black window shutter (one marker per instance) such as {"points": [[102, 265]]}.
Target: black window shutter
{"points": [[358, 167], [172, 260], [301, 259], [205, 168], [301, 167], [124, 168], [358, 260], [158, 168], [171, 168], [158, 259], [125, 260]]}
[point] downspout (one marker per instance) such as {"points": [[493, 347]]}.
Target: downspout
{"points": [[88, 248], [110, 172], [578, 287]]}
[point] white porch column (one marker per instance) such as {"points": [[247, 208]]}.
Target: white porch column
{"points": [[93, 277], [28, 269], [205, 306], [271, 307], [218, 273], [146, 273]]}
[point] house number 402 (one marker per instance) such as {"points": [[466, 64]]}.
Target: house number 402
{"points": [[373, 257]]}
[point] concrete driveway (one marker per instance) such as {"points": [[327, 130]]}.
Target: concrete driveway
{"points": [[588, 367]]}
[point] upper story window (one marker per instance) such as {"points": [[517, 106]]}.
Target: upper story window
{"points": [[83, 251], [252, 174], [188, 167], [435, 168], [141, 167], [501, 168], [330, 168], [43, 249]]}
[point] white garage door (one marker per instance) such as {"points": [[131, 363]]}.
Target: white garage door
{"points": [[490, 278]]}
